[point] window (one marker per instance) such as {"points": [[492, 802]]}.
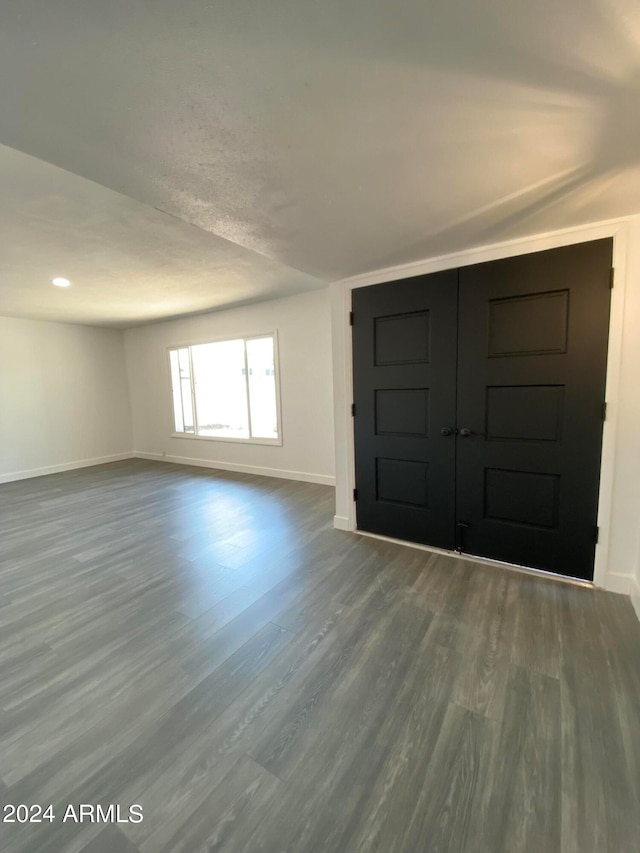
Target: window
{"points": [[226, 389]]}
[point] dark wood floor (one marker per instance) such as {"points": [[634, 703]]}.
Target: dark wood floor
{"points": [[205, 645]]}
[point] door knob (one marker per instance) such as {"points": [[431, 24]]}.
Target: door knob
{"points": [[447, 431], [465, 433]]}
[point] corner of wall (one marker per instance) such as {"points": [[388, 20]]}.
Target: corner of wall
{"points": [[635, 596], [341, 522], [127, 379]]}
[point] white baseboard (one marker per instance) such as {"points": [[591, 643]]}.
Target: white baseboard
{"points": [[65, 466], [341, 522], [616, 582], [635, 596], [303, 476]]}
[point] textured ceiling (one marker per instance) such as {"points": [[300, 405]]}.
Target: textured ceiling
{"points": [[341, 136], [128, 263]]}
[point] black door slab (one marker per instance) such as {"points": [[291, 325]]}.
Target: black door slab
{"points": [[404, 356], [532, 355]]}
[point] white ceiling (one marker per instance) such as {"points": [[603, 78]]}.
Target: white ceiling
{"points": [[331, 137], [127, 262]]}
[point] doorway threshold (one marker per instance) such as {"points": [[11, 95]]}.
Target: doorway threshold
{"points": [[471, 558]]}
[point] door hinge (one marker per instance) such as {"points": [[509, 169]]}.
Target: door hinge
{"points": [[604, 411], [462, 527], [353, 410], [351, 318], [596, 534], [355, 494], [612, 275]]}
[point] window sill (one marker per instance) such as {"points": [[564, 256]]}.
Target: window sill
{"points": [[274, 442]]}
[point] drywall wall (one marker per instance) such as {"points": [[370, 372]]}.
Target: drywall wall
{"points": [[635, 590], [63, 397], [624, 556], [618, 551], [303, 325], [624, 536]]}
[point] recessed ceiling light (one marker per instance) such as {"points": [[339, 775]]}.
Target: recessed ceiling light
{"points": [[60, 282]]}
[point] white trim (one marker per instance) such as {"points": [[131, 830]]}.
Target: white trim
{"points": [[276, 364], [302, 476], [195, 342], [246, 389], [635, 596], [342, 358], [491, 252], [485, 561], [343, 373], [602, 568], [192, 386], [65, 466], [273, 442], [341, 522], [617, 582]]}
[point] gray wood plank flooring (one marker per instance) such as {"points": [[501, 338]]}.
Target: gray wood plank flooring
{"points": [[204, 644]]}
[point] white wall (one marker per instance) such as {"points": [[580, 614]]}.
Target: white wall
{"points": [[618, 551], [63, 397], [625, 544], [635, 590], [624, 549], [303, 325]]}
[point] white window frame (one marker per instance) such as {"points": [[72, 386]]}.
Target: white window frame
{"points": [[276, 364]]}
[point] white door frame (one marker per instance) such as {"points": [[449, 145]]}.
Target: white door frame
{"points": [[345, 517]]}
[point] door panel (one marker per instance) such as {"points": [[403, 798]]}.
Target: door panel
{"points": [[524, 412], [404, 355], [531, 376]]}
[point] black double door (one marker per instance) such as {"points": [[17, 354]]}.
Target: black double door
{"points": [[479, 398]]}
